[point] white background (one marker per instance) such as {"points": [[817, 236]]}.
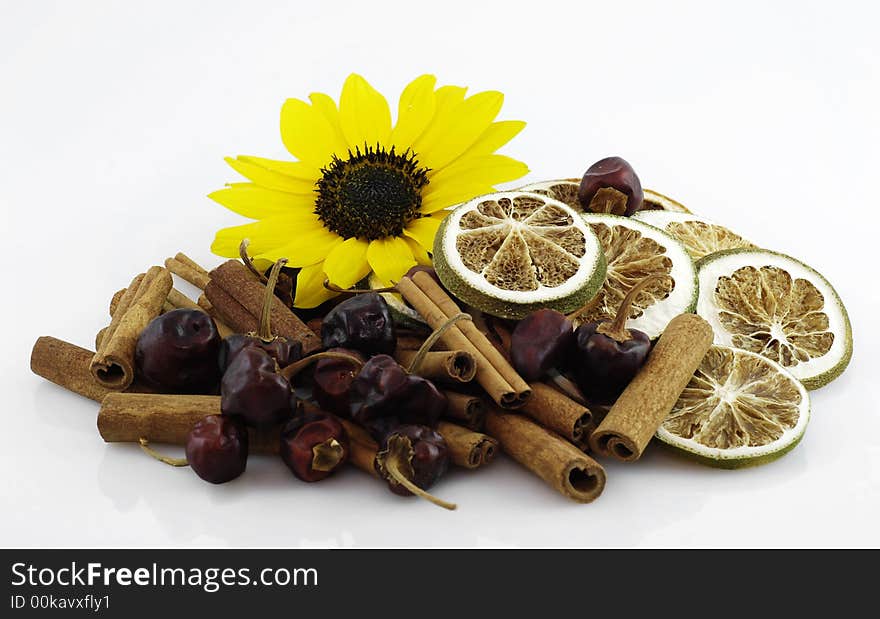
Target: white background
{"points": [[114, 120]]}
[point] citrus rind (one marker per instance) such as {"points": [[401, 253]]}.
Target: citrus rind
{"points": [[633, 251], [699, 235], [740, 409], [509, 253], [655, 201], [564, 189], [775, 305]]}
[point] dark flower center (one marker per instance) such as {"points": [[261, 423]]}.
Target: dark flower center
{"points": [[370, 195]]}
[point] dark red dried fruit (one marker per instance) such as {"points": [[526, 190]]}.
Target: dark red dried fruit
{"points": [[217, 448], [611, 186]]}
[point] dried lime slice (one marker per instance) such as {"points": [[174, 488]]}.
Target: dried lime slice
{"points": [[509, 253], [565, 190], [739, 409], [699, 236], [774, 305], [658, 202], [634, 250]]}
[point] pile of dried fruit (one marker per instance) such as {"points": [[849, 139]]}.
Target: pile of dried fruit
{"points": [[564, 318]]}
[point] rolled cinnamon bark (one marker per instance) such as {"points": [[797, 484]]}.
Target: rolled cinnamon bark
{"points": [[362, 448], [466, 410], [467, 449], [224, 329], [488, 376], [188, 270], [160, 418], [649, 398], [113, 363], [559, 463], [233, 278], [114, 301], [457, 366], [230, 311], [67, 365], [561, 414], [181, 301]]}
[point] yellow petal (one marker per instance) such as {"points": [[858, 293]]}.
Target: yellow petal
{"points": [[303, 249], [390, 258], [497, 135], [423, 230], [297, 169], [265, 234], [439, 196], [419, 252], [310, 291], [307, 135], [364, 114], [347, 264], [414, 112], [449, 136], [257, 202], [269, 179], [491, 169], [327, 106]]}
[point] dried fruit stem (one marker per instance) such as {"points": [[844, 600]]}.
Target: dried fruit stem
{"points": [[432, 339], [295, 368], [248, 261], [327, 455], [145, 446], [393, 467], [617, 330], [265, 315]]}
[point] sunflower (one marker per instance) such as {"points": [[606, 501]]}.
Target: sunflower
{"points": [[365, 196]]}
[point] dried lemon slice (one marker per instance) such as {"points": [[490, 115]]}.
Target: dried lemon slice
{"points": [[774, 305], [699, 236], [634, 250], [509, 253], [739, 409], [658, 202], [565, 190]]}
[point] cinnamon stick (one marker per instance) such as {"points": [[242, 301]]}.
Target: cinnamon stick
{"points": [[467, 410], [649, 398], [430, 286], [231, 311], [195, 266], [467, 449], [458, 366], [188, 270], [559, 463], [160, 418], [362, 448], [224, 329], [113, 364], [488, 376], [561, 414], [67, 365], [233, 278], [180, 300]]}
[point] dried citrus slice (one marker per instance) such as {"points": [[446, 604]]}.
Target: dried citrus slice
{"points": [[634, 250], [774, 305], [739, 409], [509, 253], [565, 190], [699, 236], [658, 202]]}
